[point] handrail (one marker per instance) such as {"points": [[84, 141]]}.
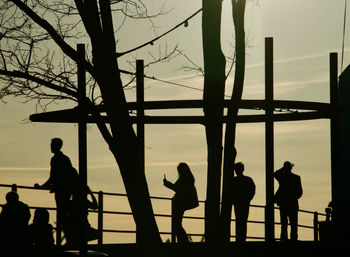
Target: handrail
{"points": [[100, 213]]}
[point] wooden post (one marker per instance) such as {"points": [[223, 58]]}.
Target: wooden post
{"points": [[82, 119], [140, 119], [269, 142], [315, 226], [82, 141], [333, 79], [173, 236], [100, 217]]}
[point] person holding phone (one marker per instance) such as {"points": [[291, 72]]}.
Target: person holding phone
{"points": [[185, 198]]}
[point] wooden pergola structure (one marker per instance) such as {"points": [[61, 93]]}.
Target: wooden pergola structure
{"points": [[306, 111]]}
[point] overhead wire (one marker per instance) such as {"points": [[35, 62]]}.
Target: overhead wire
{"points": [[344, 27], [173, 83], [184, 22]]}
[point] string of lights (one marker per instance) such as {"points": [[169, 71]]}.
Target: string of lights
{"points": [[151, 42]]}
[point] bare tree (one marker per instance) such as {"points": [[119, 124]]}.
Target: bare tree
{"points": [[218, 221], [230, 152], [213, 101], [37, 61]]}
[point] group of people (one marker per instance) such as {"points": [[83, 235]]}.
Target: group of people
{"points": [[16, 232], [71, 202], [242, 191], [70, 197]]}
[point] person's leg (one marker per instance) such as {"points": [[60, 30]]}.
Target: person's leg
{"points": [[293, 219], [241, 213], [284, 223], [180, 232]]}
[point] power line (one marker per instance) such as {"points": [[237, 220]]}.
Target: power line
{"points": [[174, 83], [344, 26]]}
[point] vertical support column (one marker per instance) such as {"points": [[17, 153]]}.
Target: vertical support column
{"points": [[173, 236], [100, 217], [333, 79], [82, 141], [269, 142], [140, 127], [82, 119], [316, 226]]}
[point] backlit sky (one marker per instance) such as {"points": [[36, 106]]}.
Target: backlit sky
{"points": [[304, 33]]}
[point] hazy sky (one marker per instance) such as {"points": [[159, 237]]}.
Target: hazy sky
{"points": [[304, 33]]}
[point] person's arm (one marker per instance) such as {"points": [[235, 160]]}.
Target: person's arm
{"points": [[169, 185], [252, 192], [299, 188], [279, 172], [92, 204], [49, 182], [46, 185]]}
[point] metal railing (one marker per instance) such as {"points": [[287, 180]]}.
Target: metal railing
{"points": [[100, 216]]}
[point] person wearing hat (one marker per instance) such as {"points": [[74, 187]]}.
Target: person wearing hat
{"points": [[286, 197]]}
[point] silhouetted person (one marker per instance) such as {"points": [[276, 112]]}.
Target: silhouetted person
{"points": [[243, 191], [63, 177], [286, 197], [185, 198], [41, 231], [76, 225], [14, 219]]}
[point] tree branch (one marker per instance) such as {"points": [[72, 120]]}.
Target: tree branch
{"points": [[67, 49], [19, 74]]}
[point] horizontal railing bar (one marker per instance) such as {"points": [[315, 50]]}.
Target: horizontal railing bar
{"points": [[168, 233], [159, 214], [152, 197]]}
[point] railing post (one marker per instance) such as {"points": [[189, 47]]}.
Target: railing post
{"points": [[173, 237], [14, 188], [315, 226], [100, 218]]}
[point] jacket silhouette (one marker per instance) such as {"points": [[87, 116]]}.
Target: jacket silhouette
{"points": [[41, 231], [185, 198], [14, 220], [286, 197], [243, 191]]}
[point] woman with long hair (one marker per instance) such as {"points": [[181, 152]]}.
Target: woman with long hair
{"points": [[185, 198]]}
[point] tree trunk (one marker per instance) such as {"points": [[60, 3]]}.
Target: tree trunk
{"points": [[230, 153], [123, 143], [214, 87]]}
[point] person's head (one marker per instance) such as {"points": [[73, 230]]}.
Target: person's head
{"points": [[56, 145], [12, 197], [288, 166], [184, 171], [239, 168], [41, 215]]}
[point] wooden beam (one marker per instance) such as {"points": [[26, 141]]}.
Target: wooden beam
{"points": [[269, 143], [62, 117]]}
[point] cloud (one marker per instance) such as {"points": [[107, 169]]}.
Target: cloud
{"points": [[9, 168]]}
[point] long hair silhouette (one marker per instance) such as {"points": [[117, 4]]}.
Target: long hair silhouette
{"points": [[185, 172]]}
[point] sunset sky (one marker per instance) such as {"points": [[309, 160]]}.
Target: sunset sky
{"points": [[304, 33]]}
